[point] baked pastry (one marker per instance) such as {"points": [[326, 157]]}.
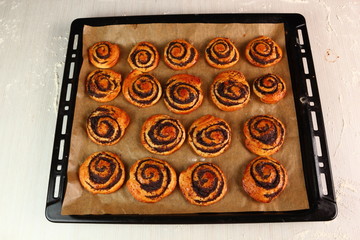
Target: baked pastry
{"points": [[104, 54], [270, 88], [221, 53], [103, 85], [162, 134], [144, 57], [209, 136], [183, 93], [141, 89], [263, 52], [180, 54], [102, 172], [203, 183], [151, 180], [106, 125], [230, 91], [264, 134], [264, 179]]}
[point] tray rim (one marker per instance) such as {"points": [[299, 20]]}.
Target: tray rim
{"points": [[321, 207]]}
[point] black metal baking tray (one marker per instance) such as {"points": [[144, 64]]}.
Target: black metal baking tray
{"points": [[315, 157]]}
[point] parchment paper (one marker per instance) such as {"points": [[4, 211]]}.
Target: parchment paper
{"points": [[78, 201]]}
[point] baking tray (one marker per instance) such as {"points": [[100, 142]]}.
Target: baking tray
{"points": [[312, 137]]}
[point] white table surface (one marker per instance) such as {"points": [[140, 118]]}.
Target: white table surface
{"points": [[33, 42]]}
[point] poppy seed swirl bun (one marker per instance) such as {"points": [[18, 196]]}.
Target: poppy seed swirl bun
{"points": [[162, 134], [230, 91], [106, 125], [142, 89], [104, 54], [151, 180], [264, 179], [209, 136], [180, 54], [103, 85], [203, 184], [102, 172], [263, 52], [270, 88], [264, 134], [221, 53], [183, 93], [144, 57]]}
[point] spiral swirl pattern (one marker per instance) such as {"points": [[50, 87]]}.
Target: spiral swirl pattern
{"points": [[180, 54], [162, 134], [142, 89], [230, 91], [144, 57], [264, 179], [203, 183], [104, 54], [102, 172], [183, 93], [106, 125], [264, 134], [270, 88], [103, 85], [263, 52], [221, 53], [151, 180], [209, 136]]}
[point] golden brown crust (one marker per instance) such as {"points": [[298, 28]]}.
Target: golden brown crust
{"points": [[230, 91], [151, 180], [102, 172], [270, 88], [203, 183], [103, 85], [221, 53], [264, 134], [162, 134], [209, 136], [104, 54], [183, 93], [144, 57], [106, 125], [263, 52], [180, 54], [264, 179], [142, 89]]}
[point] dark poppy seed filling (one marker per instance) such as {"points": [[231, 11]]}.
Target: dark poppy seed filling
{"points": [[270, 88], [269, 84], [269, 175], [181, 96], [204, 140], [101, 83], [144, 56], [231, 93], [264, 51], [113, 129], [212, 137], [153, 176], [104, 170], [165, 135], [102, 52], [227, 55], [267, 130], [180, 53], [207, 182], [106, 125], [143, 95]]}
